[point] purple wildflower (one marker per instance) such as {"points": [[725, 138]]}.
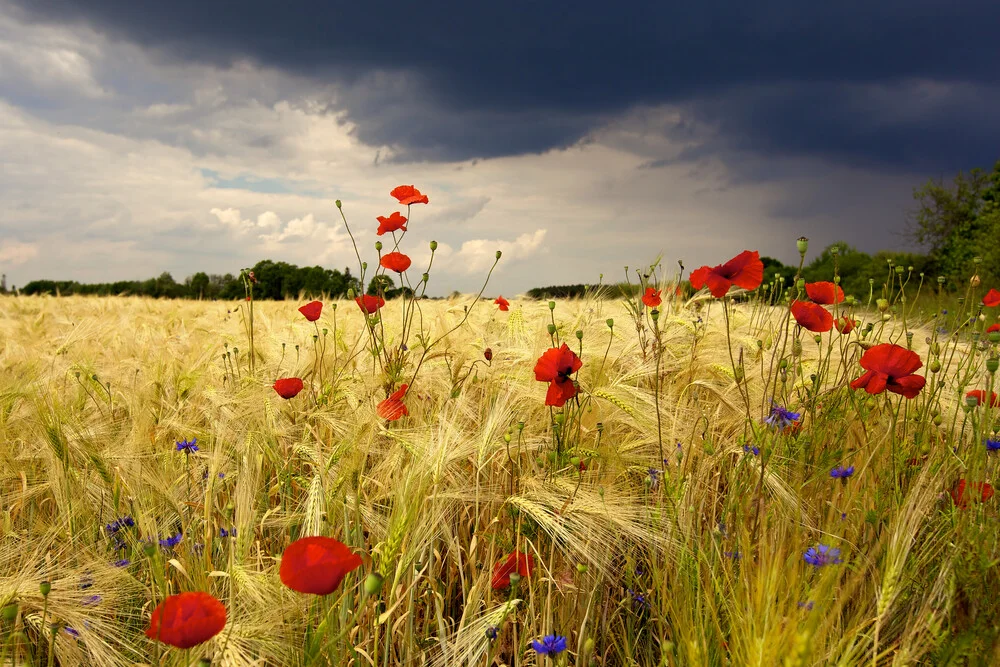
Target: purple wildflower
{"points": [[781, 418], [187, 447], [821, 555], [841, 472], [550, 645], [992, 445]]}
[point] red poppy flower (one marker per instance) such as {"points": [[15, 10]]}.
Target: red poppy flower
{"points": [[392, 223], [518, 562], [288, 387], [812, 316], [369, 303], [407, 194], [316, 565], [502, 303], [312, 310], [652, 298], [187, 619], [992, 328], [556, 366], [826, 293], [890, 367], [392, 408], [992, 298], [844, 324], [395, 261], [980, 396], [745, 270], [981, 489]]}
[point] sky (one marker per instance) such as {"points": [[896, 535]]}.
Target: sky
{"points": [[139, 137]]}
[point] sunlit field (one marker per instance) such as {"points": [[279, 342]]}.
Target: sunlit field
{"points": [[692, 480]]}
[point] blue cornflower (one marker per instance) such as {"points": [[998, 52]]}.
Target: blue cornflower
{"points": [[124, 562], [187, 447], [227, 533], [735, 555], [639, 599], [491, 632], [748, 449], [821, 555], [992, 445], [91, 601], [170, 542], [118, 524], [808, 606], [71, 632], [550, 645], [86, 581], [654, 478], [841, 472], [780, 417]]}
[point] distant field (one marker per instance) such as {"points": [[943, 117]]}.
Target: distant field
{"points": [[668, 514]]}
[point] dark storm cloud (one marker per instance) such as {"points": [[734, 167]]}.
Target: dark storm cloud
{"points": [[472, 79]]}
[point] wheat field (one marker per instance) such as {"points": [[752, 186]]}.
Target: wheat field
{"points": [[669, 523]]}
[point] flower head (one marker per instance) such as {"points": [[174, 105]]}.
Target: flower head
{"points": [[652, 298], [187, 447], [393, 408], [745, 270], [407, 194], [890, 367], [825, 293], [391, 224], [519, 562], [187, 619], [502, 303], [992, 445], [844, 324], [288, 387], [812, 316], [556, 366], [316, 565], [840, 472], [993, 327], [992, 298], [369, 303], [171, 541], [821, 555], [979, 397], [979, 491], [395, 261], [549, 645], [781, 418], [312, 310]]}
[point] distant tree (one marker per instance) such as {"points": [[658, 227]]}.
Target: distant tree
{"points": [[198, 285]]}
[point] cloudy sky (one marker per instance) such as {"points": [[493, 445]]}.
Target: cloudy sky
{"points": [[138, 137]]}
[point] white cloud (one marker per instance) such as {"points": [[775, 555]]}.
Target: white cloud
{"points": [[16, 253], [478, 255]]}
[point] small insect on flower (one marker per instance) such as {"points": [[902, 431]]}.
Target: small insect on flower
{"points": [[395, 261], [393, 408], [502, 304], [556, 366], [549, 645], [745, 270], [652, 298], [288, 387], [187, 620], [311, 311], [407, 195], [841, 472], [394, 222], [518, 562], [780, 417], [821, 555], [316, 565], [369, 303], [187, 447]]}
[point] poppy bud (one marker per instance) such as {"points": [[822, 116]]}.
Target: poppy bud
{"points": [[992, 364], [899, 269], [818, 339], [506, 438], [515, 578], [977, 260], [45, 588], [350, 293], [364, 266], [373, 583], [560, 418], [883, 305], [520, 426], [581, 568], [552, 305], [783, 364], [204, 662], [575, 460], [426, 277], [579, 334], [551, 329], [935, 366], [654, 314], [488, 354], [378, 246], [836, 280], [974, 280], [337, 203], [738, 374], [9, 612], [940, 280], [909, 340], [610, 322], [498, 254], [849, 300], [971, 401], [803, 245], [434, 246], [800, 284], [938, 420], [796, 347]]}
